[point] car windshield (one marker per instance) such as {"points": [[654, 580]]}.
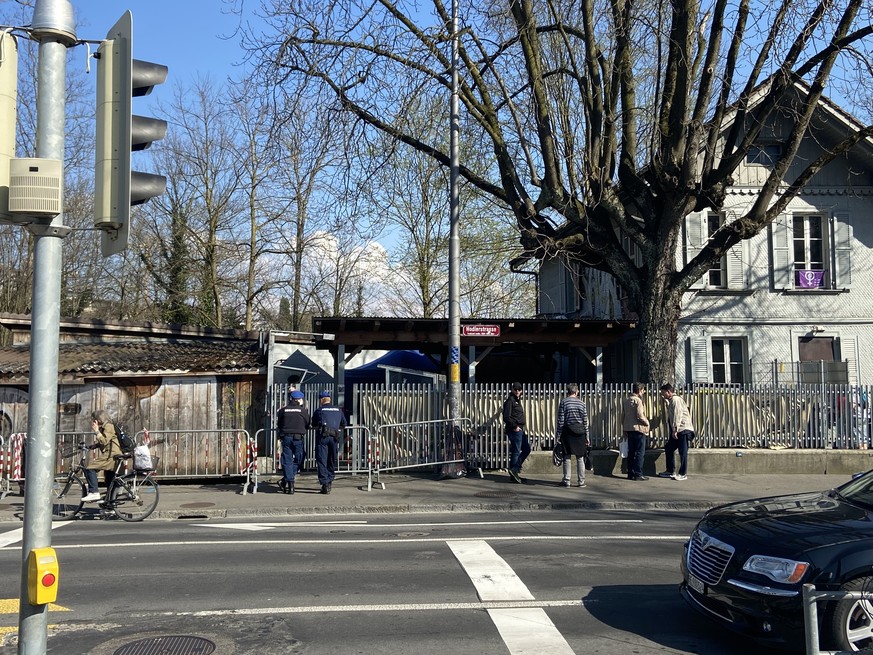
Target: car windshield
{"points": [[859, 490]]}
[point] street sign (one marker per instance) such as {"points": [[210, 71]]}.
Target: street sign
{"points": [[480, 330]]}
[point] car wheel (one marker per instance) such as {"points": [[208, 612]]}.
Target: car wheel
{"points": [[851, 622]]}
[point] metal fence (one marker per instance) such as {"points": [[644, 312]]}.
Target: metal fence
{"points": [[725, 416], [811, 598]]}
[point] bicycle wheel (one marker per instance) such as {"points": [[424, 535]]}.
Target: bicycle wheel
{"points": [[67, 493], [136, 498]]}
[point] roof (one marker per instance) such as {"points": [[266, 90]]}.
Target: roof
{"points": [[430, 335], [94, 349], [78, 361]]}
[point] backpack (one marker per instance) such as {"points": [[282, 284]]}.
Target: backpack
{"points": [[126, 442]]}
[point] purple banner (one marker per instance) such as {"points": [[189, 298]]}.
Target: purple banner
{"points": [[807, 279]]}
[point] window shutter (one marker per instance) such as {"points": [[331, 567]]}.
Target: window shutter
{"points": [[698, 348], [736, 264], [849, 353], [695, 238], [783, 263], [842, 239]]}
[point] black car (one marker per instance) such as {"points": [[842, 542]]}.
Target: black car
{"points": [[746, 562]]}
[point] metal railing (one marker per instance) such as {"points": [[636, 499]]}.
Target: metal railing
{"points": [[417, 444], [725, 416], [810, 616]]}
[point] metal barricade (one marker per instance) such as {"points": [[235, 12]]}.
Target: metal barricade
{"points": [[810, 615], [11, 462], [397, 446], [187, 454]]}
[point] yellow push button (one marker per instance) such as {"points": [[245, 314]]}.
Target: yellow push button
{"points": [[42, 576]]}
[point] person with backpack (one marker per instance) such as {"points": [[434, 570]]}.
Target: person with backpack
{"points": [[328, 421], [572, 432], [292, 423], [105, 448]]}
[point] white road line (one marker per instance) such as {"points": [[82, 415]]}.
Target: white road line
{"points": [[528, 631], [14, 536], [408, 607], [525, 630], [341, 542], [493, 578], [365, 524]]}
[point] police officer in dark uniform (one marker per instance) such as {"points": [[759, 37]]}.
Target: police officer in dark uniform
{"points": [[328, 421], [292, 421]]}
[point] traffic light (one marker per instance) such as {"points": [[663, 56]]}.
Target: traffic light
{"points": [[8, 114], [120, 78], [42, 576]]}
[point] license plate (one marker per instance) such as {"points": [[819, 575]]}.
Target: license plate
{"points": [[697, 584]]}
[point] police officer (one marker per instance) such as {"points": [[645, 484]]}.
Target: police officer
{"points": [[328, 421], [292, 421]]}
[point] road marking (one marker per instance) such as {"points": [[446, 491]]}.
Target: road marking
{"points": [[525, 630], [254, 527], [528, 631], [14, 536], [408, 607], [493, 578], [10, 606], [339, 542]]}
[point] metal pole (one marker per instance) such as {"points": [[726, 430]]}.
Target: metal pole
{"points": [[52, 26], [454, 377]]}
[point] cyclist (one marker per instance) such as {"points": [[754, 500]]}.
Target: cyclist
{"points": [[106, 446]]}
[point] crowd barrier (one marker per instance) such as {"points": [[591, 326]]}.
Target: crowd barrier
{"points": [[417, 444], [11, 462], [351, 455]]}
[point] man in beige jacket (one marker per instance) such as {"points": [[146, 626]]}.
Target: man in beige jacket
{"points": [[636, 426], [680, 433]]}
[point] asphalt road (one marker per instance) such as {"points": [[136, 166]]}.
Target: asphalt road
{"points": [[425, 584]]}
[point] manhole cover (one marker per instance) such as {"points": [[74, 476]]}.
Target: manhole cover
{"points": [[169, 645], [196, 505], [496, 494]]}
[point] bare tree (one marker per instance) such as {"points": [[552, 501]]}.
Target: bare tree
{"points": [[604, 120]]}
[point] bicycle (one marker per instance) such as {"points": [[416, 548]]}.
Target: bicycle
{"points": [[130, 496]]}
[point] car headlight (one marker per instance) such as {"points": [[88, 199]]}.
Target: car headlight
{"points": [[776, 568]]}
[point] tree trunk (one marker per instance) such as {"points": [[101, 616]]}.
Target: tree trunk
{"points": [[659, 318]]}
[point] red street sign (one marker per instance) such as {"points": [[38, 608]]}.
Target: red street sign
{"points": [[480, 330]]}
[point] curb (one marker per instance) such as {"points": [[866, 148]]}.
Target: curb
{"points": [[454, 508]]}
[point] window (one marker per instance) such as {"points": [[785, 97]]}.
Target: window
{"points": [[765, 154], [812, 251], [728, 361], [809, 252], [715, 277]]}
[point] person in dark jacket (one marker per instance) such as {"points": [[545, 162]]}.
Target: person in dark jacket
{"points": [[572, 431], [292, 422], [105, 448], [328, 421], [513, 418]]}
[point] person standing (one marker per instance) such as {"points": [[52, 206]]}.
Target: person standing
{"points": [[106, 447], [519, 446], [292, 422], [636, 427], [572, 431], [328, 421], [681, 433]]}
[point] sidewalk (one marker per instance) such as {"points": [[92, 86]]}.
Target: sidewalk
{"points": [[421, 493]]}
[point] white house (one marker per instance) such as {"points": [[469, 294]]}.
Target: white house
{"points": [[791, 304]]}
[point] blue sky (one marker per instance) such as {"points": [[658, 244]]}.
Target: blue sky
{"points": [[184, 35]]}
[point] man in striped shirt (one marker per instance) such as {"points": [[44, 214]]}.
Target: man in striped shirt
{"points": [[572, 431]]}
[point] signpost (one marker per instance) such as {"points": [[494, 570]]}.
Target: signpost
{"points": [[480, 330]]}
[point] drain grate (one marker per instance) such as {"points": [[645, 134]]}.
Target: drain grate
{"points": [[168, 645], [496, 494]]}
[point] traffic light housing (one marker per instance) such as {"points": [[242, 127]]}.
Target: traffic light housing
{"points": [[42, 576], [8, 115], [120, 78]]}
